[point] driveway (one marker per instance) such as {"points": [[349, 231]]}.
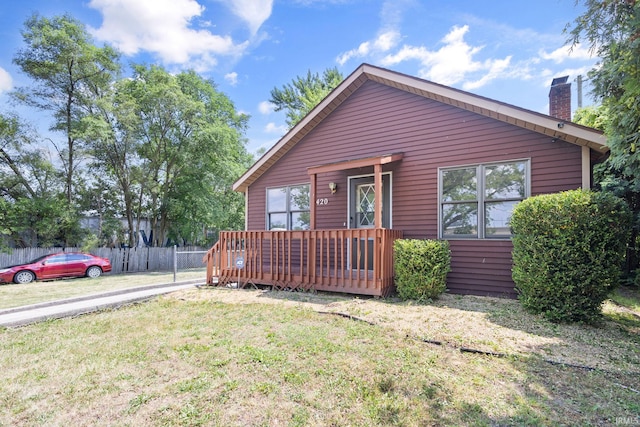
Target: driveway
{"points": [[19, 316]]}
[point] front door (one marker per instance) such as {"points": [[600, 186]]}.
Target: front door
{"points": [[361, 215], [362, 201]]}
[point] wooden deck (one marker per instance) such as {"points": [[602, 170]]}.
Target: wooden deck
{"points": [[357, 261]]}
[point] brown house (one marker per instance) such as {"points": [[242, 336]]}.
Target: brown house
{"points": [[384, 156]]}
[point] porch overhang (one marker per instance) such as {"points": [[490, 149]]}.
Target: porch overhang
{"points": [[375, 161], [356, 163]]}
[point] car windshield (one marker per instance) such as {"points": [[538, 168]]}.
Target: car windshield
{"points": [[40, 258]]}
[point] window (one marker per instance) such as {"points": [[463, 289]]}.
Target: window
{"points": [[56, 259], [77, 257], [477, 201], [288, 208]]}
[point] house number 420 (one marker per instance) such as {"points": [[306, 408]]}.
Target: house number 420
{"points": [[322, 202]]}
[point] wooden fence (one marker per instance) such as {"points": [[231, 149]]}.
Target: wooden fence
{"points": [[129, 260]]}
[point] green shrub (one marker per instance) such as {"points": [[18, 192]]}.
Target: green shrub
{"points": [[567, 252], [421, 268]]}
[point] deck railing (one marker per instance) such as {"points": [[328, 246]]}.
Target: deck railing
{"points": [[358, 261], [212, 259]]}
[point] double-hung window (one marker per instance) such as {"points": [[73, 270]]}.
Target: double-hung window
{"points": [[477, 201], [288, 208]]}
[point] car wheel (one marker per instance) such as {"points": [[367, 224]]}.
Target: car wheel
{"points": [[24, 277], [94, 272]]}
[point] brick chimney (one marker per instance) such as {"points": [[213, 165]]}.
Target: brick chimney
{"points": [[560, 99]]}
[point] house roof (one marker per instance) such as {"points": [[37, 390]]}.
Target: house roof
{"points": [[537, 122]]}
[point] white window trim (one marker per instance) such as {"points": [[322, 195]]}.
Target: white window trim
{"points": [[288, 211], [480, 199]]}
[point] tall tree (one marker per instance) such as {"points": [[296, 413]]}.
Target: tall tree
{"points": [[31, 211], [15, 179], [114, 145], [65, 65], [300, 96], [173, 145], [611, 28], [217, 159]]}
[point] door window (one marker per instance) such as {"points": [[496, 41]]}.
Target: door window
{"points": [[365, 205]]}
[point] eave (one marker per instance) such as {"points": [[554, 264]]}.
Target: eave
{"points": [[536, 122]]}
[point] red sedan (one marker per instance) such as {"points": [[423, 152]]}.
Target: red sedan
{"points": [[54, 266]]}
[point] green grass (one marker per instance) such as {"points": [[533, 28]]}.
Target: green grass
{"points": [[627, 313], [627, 297], [12, 295], [175, 361]]}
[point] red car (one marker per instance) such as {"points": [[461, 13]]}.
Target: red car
{"points": [[54, 266]]}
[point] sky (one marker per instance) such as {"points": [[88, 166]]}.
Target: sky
{"points": [[505, 50]]}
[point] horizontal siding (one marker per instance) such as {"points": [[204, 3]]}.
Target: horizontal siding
{"points": [[377, 120], [487, 262]]}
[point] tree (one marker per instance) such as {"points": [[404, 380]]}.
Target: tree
{"points": [[300, 96], [217, 157], [172, 145], [15, 179], [31, 212], [114, 145], [66, 67], [594, 117], [612, 30]]}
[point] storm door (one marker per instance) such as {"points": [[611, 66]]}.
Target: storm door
{"points": [[362, 214]]}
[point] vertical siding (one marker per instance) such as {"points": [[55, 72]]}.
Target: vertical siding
{"points": [[378, 120]]}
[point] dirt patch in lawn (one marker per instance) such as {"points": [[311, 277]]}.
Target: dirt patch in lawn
{"points": [[485, 324]]}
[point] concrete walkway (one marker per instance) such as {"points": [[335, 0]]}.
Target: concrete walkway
{"points": [[19, 316]]}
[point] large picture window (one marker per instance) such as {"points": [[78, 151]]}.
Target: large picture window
{"points": [[477, 201], [288, 208]]}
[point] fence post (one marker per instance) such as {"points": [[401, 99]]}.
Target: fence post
{"points": [[175, 263]]}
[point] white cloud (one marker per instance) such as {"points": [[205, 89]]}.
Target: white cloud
{"points": [[386, 41], [164, 28], [6, 82], [273, 128], [265, 107], [451, 63], [497, 69], [231, 78], [380, 45], [253, 12], [388, 35], [567, 53]]}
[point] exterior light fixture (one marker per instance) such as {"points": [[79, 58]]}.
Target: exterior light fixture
{"points": [[333, 187]]}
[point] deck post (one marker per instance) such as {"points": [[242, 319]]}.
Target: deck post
{"points": [[312, 204], [377, 214]]}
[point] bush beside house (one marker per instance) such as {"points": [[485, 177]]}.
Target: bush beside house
{"points": [[421, 268], [567, 252]]}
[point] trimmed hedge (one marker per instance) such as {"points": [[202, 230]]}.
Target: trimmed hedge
{"points": [[567, 252], [421, 268]]}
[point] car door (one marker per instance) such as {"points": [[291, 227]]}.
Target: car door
{"points": [[53, 267], [76, 264]]}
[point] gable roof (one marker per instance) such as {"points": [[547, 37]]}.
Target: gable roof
{"points": [[537, 122]]}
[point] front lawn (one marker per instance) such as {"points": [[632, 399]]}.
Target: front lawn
{"points": [[237, 358]]}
